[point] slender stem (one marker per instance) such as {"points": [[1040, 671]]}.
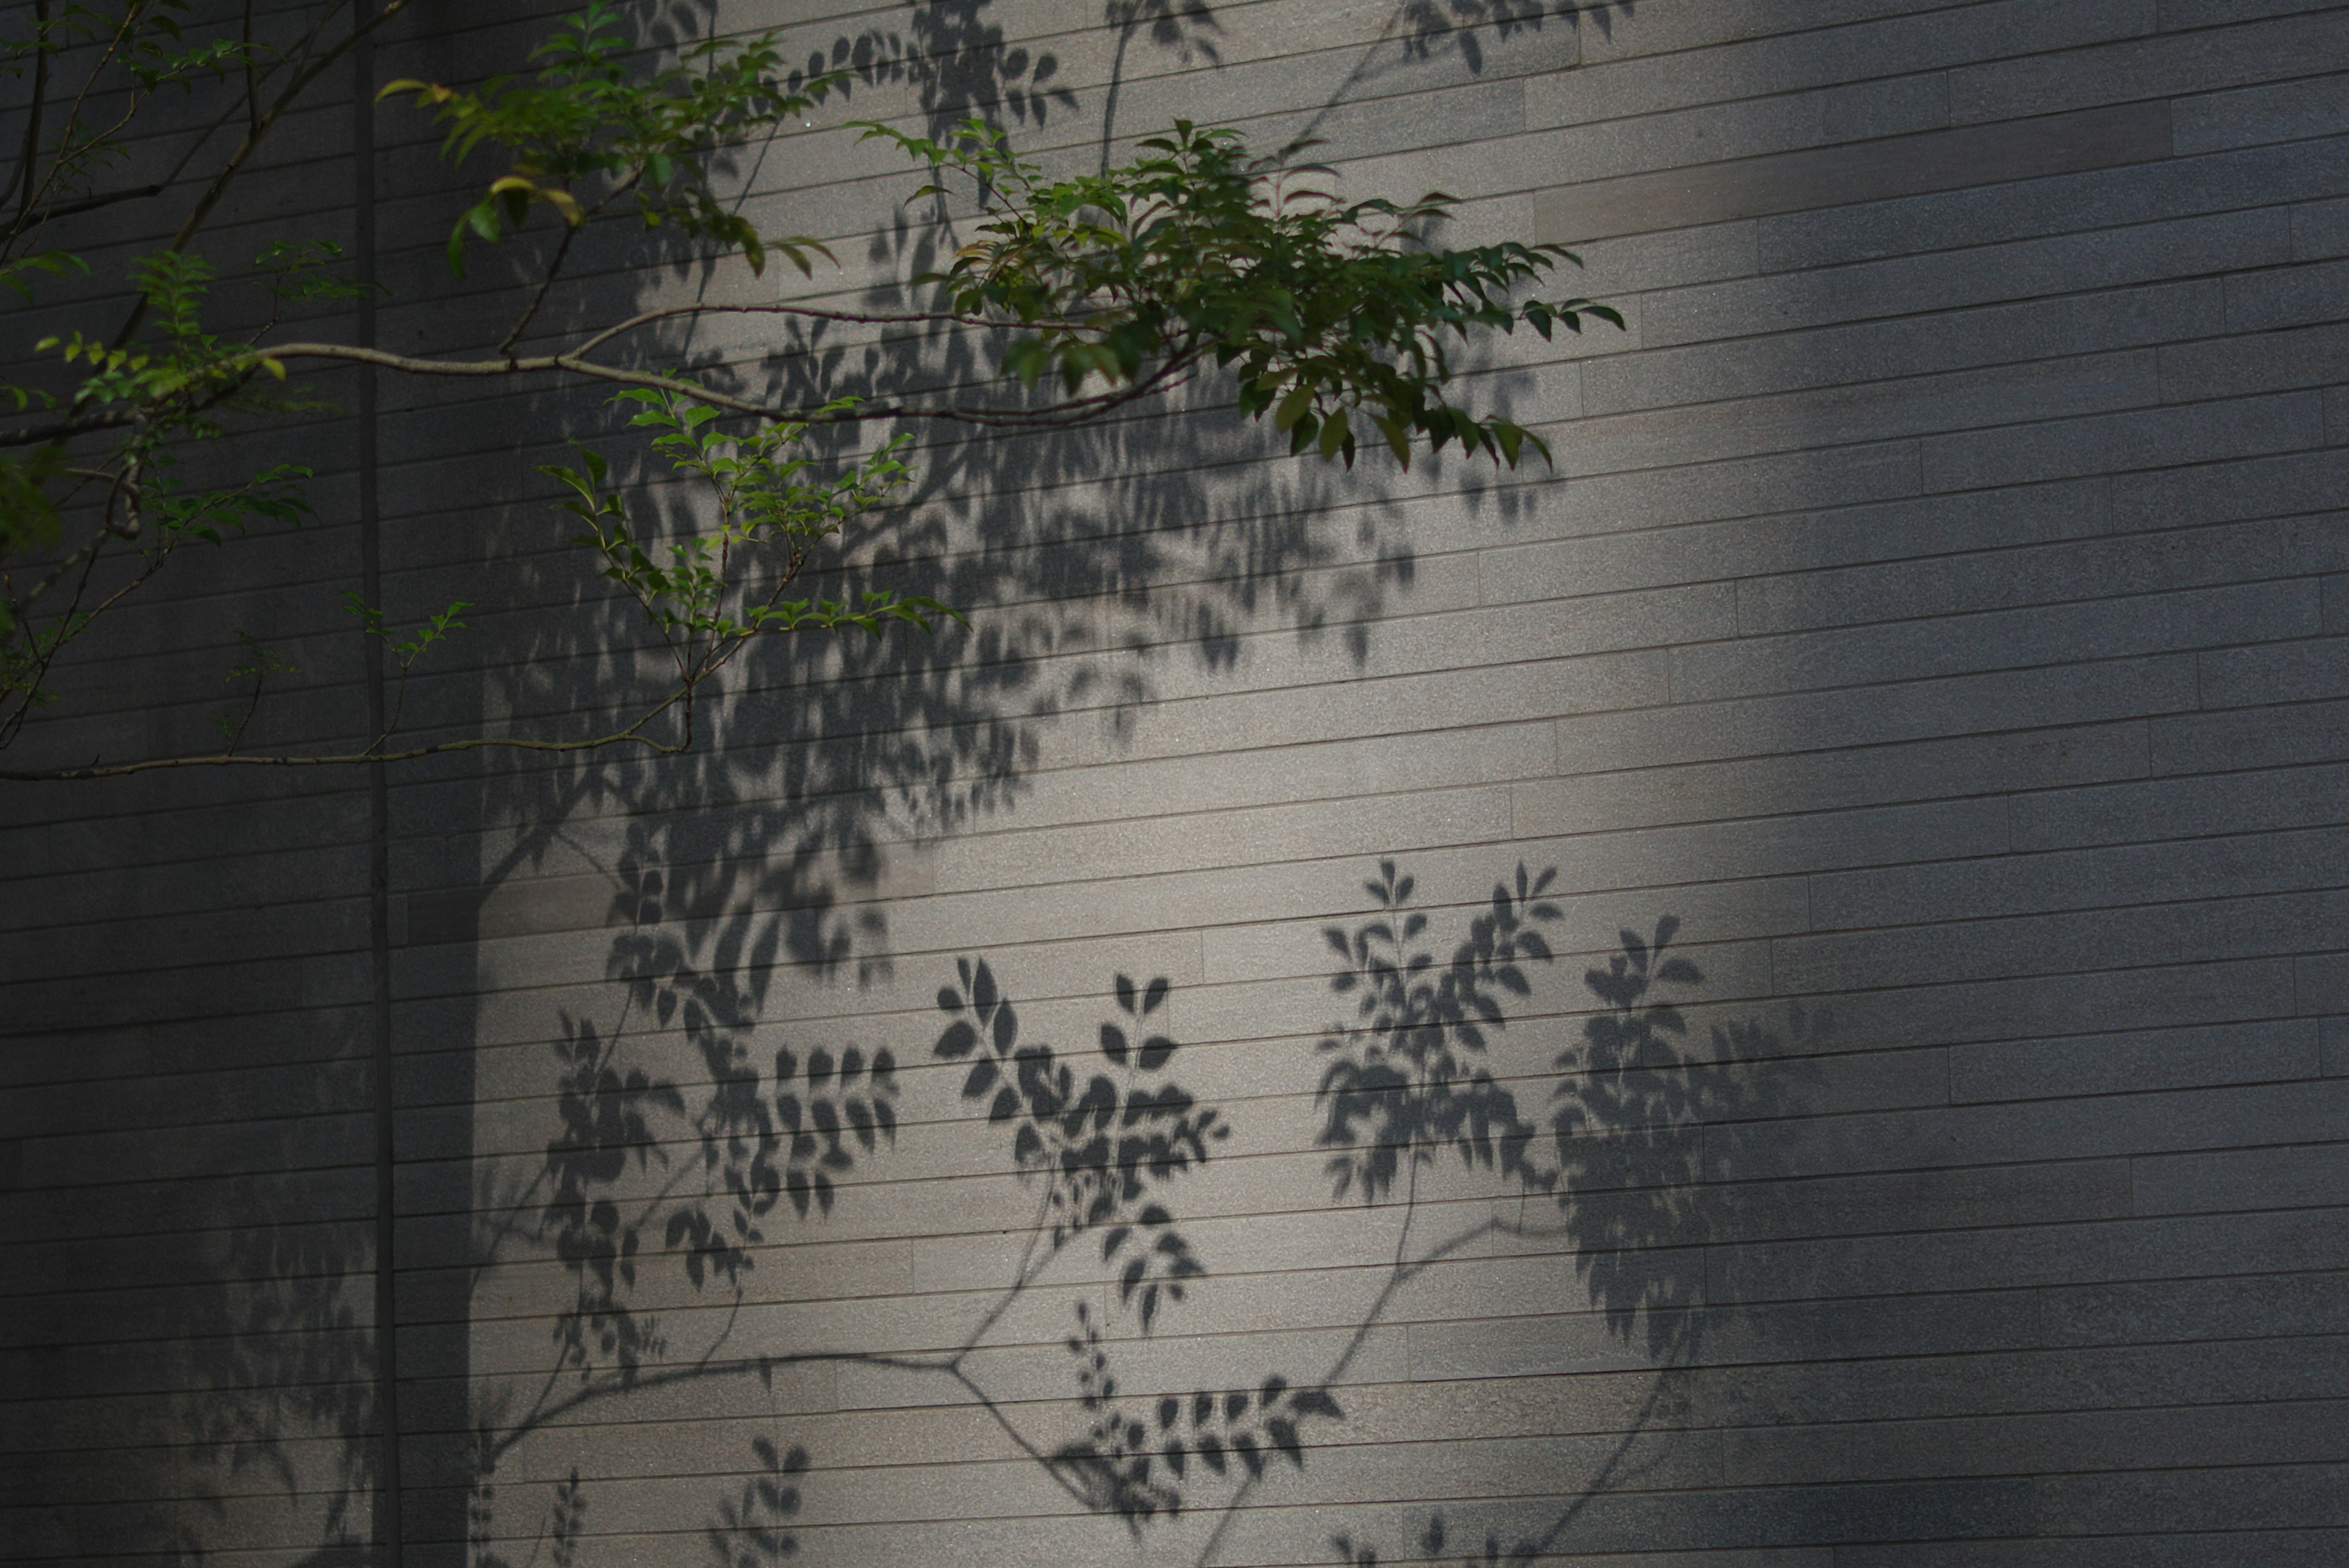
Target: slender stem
{"points": [[1025, 1276], [255, 80], [1069, 411], [252, 706], [986, 1403], [65, 133], [252, 79], [252, 143], [22, 177], [1398, 1274], [30, 691], [596, 1392], [570, 232], [811, 312]]}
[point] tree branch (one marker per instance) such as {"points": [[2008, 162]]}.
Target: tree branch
{"points": [[254, 136], [31, 150], [65, 135], [1067, 411]]}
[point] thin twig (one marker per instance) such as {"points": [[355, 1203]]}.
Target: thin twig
{"points": [[570, 232], [1068, 411], [1398, 1275], [252, 143], [64, 134], [763, 1365], [24, 174]]}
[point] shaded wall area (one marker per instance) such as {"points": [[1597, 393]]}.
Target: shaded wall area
{"points": [[1766, 998]]}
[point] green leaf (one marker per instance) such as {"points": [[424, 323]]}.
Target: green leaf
{"points": [[1293, 407], [1334, 434]]}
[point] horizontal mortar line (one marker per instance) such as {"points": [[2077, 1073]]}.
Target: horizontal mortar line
{"points": [[336, 99], [1927, 313], [848, 293], [788, 965], [1796, 390], [1364, 682], [1940, 66], [917, 841], [1858, 1175], [1108, 602], [782, 1252], [1464, 86], [1710, 1370], [673, 1304], [2108, 534], [1606, 353], [1371, 503], [1534, 1134], [518, 722], [918, 1009], [1891, 803], [1622, 1489], [1697, 1065], [1564, 430], [1407, 797], [515, 993], [1336, 1440], [675, 1040]]}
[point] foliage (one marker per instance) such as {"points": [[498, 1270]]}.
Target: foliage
{"points": [[1409, 1078], [1333, 319], [606, 1116], [1134, 1466], [1102, 1149], [1332, 315], [588, 130], [751, 1530]]}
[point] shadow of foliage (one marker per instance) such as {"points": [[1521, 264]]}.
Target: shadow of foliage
{"points": [[1411, 1079], [1652, 1133], [1101, 1148]]}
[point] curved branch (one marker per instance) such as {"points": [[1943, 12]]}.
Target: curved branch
{"points": [[1398, 1274], [812, 313], [1069, 410], [22, 177], [251, 141], [66, 429], [762, 1364], [65, 135]]}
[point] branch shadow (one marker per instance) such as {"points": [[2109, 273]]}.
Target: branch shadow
{"points": [[1106, 570]]}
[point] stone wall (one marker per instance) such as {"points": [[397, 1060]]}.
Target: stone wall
{"points": [[1766, 998]]}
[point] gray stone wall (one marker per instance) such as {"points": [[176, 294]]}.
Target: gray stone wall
{"points": [[1873, 819]]}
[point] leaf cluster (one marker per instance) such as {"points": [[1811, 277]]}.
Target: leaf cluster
{"points": [[1133, 1464], [407, 649], [594, 123], [1409, 1075], [606, 1125], [178, 382], [791, 1138], [1338, 318], [770, 502], [1099, 1144], [752, 1532]]}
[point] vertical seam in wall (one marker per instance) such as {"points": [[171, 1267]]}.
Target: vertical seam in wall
{"points": [[387, 1522]]}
